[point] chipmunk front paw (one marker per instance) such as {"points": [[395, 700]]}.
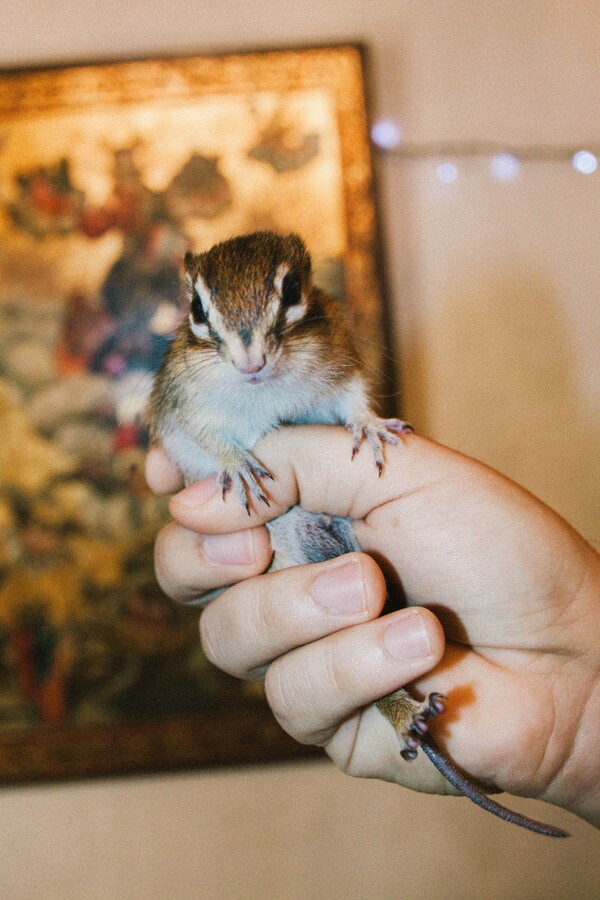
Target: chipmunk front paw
{"points": [[242, 473], [376, 432]]}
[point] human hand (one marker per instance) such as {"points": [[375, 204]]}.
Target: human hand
{"points": [[516, 589]]}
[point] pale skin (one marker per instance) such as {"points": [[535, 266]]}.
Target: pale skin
{"points": [[503, 615]]}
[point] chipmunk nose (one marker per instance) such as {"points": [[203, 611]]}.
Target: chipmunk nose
{"points": [[249, 363]]}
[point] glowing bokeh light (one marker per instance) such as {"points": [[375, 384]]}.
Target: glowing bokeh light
{"points": [[504, 166], [387, 134], [446, 172], [585, 162]]}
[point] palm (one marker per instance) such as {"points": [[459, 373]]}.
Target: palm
{"points": [[498, 582]]}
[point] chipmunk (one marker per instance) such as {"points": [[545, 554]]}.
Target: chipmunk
{"points": [[263, 346]]}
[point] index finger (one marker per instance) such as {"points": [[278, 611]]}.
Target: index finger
{"points": [[313, 466]]}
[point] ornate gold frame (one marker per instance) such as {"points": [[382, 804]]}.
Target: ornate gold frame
{"points": [[232, 732]]}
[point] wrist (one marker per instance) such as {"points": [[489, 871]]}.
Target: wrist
{"points": [[577, 785]]}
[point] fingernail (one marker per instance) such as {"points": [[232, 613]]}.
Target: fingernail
{"points": [[407, 637], [196, 494], [340, 588], [235, 549]]}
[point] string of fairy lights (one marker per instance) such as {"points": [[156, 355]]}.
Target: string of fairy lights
{"points": [[504, 160]]}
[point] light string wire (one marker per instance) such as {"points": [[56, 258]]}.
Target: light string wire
{"points": [[462, 149]]}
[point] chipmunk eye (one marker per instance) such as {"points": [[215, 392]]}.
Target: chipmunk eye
{"points": [[198, 314], [291, 290]]}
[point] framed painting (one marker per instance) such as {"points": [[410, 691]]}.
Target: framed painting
{"points": [[108, 174]]}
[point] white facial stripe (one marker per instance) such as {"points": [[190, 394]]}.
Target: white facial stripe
{"points": [[216, 320], [200, 330], [282, 271], [273, 310], [295, 313], [203, 292]]}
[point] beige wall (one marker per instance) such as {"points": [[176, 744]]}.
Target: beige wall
{"points": [[495, 291]]}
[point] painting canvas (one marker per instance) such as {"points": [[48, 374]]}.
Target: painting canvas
{"points": [[108, 174]]}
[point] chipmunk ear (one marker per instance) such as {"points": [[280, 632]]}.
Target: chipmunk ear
{"points": [[197, 310], [299, 254], [197, 292], [189, 259], [291, 289]]}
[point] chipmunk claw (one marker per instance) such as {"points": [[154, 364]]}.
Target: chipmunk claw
{"points": [[376, 432], [420, 725], [409, 755], [244, 481], [436, 703], [398, 426], [432, 706]]}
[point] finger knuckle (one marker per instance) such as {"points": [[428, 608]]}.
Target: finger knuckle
{"points": [[177, 581], [263, 615], [213, 638], [285, 690], [306, 695], [236, 633], [162, 560]]}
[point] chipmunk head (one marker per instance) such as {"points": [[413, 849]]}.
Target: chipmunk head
{"points": [[245, 295]]}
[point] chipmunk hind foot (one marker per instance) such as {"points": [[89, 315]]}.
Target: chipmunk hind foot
{"points": [[410, 717]]}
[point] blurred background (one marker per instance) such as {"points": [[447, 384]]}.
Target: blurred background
{"points": [[493, 280]]}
